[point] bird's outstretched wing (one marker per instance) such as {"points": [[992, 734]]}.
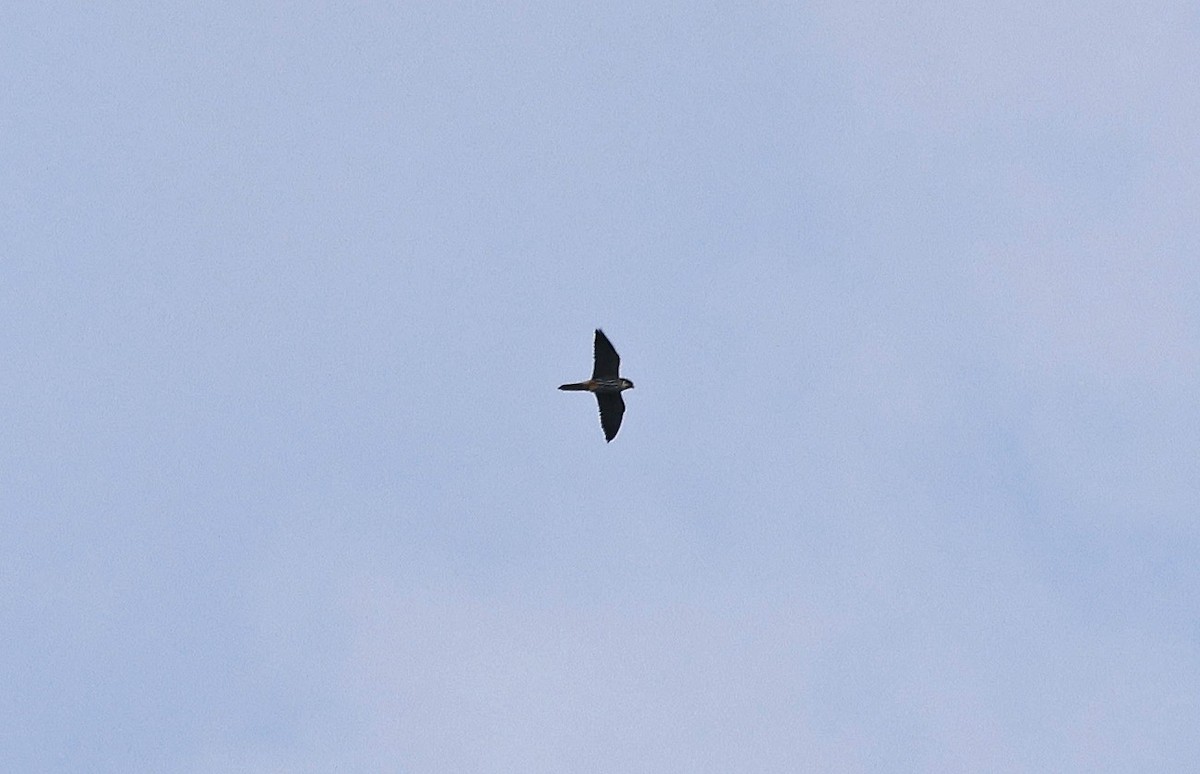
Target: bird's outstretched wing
{"points": [[608, 362], [612, 408]]}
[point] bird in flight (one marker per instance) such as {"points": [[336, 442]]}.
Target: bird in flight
{"points": [[607, 386]]}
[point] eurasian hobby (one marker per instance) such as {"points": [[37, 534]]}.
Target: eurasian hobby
{"points": [[607, 386]]}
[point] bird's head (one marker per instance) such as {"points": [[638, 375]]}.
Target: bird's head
{"points": [[626, 384]]}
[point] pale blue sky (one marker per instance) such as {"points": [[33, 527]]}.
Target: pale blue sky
{"points": [[909, 483]]}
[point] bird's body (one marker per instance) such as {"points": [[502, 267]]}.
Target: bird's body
{"points": [[607, 385], [599, 385]]}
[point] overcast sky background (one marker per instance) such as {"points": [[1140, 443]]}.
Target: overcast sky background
{"points": [[910, 480]]}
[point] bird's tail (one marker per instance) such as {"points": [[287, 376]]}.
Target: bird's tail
{"points": [[576, 386]]}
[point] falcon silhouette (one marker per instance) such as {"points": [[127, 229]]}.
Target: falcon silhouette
{"points": [[607, 386]]}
